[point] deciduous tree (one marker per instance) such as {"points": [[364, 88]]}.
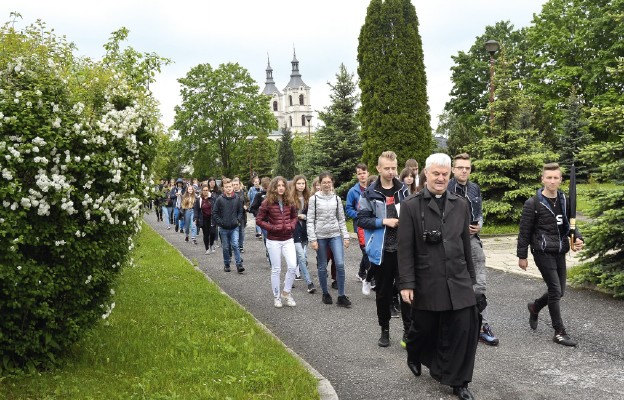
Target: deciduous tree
{"points": [[222, 106]]}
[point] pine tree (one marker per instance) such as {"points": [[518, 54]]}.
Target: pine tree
{"points": [[604, 236], [509, 160], [394, 114], [337, 145], [285, 165]]}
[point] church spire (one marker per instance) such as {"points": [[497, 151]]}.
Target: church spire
{"points": [[269, 87], [295, 76]]}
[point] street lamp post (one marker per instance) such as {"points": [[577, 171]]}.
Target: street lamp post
{"points": [[492, 46], [308, 119]]}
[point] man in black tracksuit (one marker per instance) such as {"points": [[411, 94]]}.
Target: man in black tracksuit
{"points": [[545, 226]]}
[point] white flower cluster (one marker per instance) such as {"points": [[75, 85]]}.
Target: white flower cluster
{"points": [[107, 310]]}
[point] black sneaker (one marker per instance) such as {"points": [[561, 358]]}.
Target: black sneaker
{"points": [[532, 316], [343, 301], [298, 278], [384, 340], [563, 339], [311, 288], [226, 268], [404, 340], [240, 268], [242, 250], [327, 299], [394, 312], [334, 285]]}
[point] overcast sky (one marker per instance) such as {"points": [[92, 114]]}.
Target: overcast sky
{"points": [[323, 32]]}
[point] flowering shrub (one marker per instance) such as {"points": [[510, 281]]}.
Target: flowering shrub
{"points": [[75, 155]]}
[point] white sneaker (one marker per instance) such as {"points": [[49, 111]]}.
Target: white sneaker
{"points": [[207, 251], [290, 302], [213, 249], [278, 303], [366, 288]]}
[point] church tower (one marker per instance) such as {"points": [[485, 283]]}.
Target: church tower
{"points": [[296, 100], [276, 101], [292, 106]]}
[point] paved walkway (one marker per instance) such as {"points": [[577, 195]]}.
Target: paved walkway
{"points": [[341, 344]]}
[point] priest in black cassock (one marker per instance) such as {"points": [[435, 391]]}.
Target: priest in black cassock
{"points": [[436, 276]]}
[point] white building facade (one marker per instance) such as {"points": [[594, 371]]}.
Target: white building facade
{"points": [[291, 107]]}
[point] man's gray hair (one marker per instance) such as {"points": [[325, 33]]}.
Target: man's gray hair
{"points": [[441, 159]]}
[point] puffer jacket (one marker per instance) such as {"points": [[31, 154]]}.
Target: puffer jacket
{"points": [[279, 223], [539, 229], [326, 218]]}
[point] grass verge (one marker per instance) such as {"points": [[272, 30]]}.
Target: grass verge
{"points": [[172, 335]]}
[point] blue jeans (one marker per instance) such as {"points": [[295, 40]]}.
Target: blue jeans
{"points": [[188, 223], [336, 246], [178, 222], [166, 215], [302, 261], [229, 238]]}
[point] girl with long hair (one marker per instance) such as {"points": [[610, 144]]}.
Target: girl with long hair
{"points": [[203, 218], [278, 216], [188, 204], [299, 196], [327, 228], [409, 179]]}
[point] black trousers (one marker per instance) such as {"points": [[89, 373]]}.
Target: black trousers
{"points": [[364, 263], [385, 275], [210, 232], [554, 272], [445, 342]]}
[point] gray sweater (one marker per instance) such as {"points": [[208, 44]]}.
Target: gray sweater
{"points": [[326, 217]]}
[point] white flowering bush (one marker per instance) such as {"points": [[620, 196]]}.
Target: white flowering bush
{"points": [[75, 155]]}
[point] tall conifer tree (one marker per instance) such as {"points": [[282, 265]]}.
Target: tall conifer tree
{"points": [[394, 114], [285, 165], [337, 145]]}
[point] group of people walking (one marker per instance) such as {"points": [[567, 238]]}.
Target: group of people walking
{"points": [[419, 237]]}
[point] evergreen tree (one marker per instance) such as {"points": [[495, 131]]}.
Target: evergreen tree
{"points": [[263, 154], [575, 135], [337, 145], [285, 165], [394, 113], [508, 162], [605, 234]]}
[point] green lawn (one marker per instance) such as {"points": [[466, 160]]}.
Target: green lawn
{"points": [[172, 335]]}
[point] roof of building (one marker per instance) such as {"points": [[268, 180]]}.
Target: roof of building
{"points": [[269, 87], [295, 76]]}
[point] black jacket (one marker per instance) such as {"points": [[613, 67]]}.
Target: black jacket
{"points": [[539, 228], [441, 274], [228, 212], [300, 235]]}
